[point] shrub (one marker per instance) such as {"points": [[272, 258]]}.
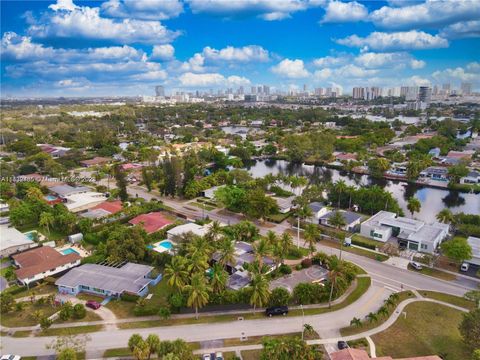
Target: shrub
{"points": [[145, 310], [79, 311], [45, 323], [66, 311], [176, 301], [129, 297], [294, 252], [164, 313], [363, 244], [306, 263], [298, 267], [279, 297], [285, 269]]}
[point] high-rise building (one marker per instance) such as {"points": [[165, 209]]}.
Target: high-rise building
{"points": [[253, 90], [435, 90], [466, 88], [259, 90], [358, 93], [446, 87], [266, 89], [160, 91], [412, 93], [241, 91], [425, 94]]}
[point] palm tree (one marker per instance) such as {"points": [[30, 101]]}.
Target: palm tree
{"points": [[214, 231], [37, 315], [445, 216], [311, 235], [176, 272], [302, 213], [372, 317], [338, 221], [395, 297], [307, 330], [389, 302], [356, 322], [46, 220], [383, 311], [199, 245], [260, 290], [261, 249], [413, 205], [219, 278], [198, 292], [197, 263], [333, 273], [153, 342], [285, 243], [226, 252], [271, 238], [341, 187]]}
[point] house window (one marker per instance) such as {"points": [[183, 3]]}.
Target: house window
{"points": [[423, 246], [372, 233]]}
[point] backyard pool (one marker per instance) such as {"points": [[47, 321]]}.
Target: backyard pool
{"points": [[50, 197], [32, 235], [161, 246], [69, 251]]}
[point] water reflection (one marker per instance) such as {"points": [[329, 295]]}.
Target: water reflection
{"points": [[433, 200]]}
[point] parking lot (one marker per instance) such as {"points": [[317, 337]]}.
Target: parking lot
{"points": [[306, 275]]}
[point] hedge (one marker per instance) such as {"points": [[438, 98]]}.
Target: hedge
{"points": [[129, 297], [363, 244]]}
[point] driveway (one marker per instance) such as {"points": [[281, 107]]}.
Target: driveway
{"points": [[306, 275]]}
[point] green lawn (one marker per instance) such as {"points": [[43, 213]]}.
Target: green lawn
{"points": [[251, 354], [71, 331], [366, 240], [90, 316], [296, 253], [24, 317], [426, 330], [41, 289], [435, 273], [201, 206], [366, 325], [117, 352], [451, 299], [354, 250]]}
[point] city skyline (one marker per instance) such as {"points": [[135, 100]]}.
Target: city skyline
{"points": [[69, 48]]}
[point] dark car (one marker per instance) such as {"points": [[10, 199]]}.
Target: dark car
{"points": [[276, 310], [342, 345], [93, 304]]}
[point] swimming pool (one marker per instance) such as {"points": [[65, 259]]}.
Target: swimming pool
{"points": [[50, 197], [69, 251], [31, 235], [162, 246]]}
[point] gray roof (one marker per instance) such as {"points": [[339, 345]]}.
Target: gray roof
{"points": [[236, 281], [316, 206], [11, 237], [130, 277], [66, 190], [475, 244], [95, 214], [348, 216]]}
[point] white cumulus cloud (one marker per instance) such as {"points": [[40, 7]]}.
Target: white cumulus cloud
{"points": [[405, 40], [162, 52], [240, 54], [142, 9], [292, 69], [190, 79], [337, 12], [464, 29]]}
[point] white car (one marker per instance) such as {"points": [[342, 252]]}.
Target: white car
{"points": [[464, 267], [206, 357], [218, 356], [10, 357], [416, 265]]}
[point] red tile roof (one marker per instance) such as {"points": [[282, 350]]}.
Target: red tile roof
{"points": [[112, 207], [350, 354], [151, 222], [40, 259]]}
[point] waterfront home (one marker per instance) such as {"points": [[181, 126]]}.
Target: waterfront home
{"points": [[108, 280], [352, 220], [36, 264], [318, 210], [435, 173], [474, 243], [410, 233], [13, 241], [473, 177]]}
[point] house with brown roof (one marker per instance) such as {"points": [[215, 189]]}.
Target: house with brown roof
{"points": [[357, 354], [41, 262], [95, 161], [151, 222]]}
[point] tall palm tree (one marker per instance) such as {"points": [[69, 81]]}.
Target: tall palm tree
{"points": [[176, 272], [261, 249], [311, 235], [199, 245], [271, 238], [302, 213], [333, 273], [389, 302], [341, 187], [197, 263], [153, 342], [219, 278], [198, 292], [260, 290], [46, 220], [285, 243], [226, 252], [413, 205]]}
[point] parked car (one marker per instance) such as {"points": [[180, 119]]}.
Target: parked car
{"points": [[276, 310], [416, 265], [464, 267], [10, 357], [342, 345], [206, 357], [93, 304], [218, 356]]}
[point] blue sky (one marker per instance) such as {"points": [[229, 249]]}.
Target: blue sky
{"points": [[126, 47]]}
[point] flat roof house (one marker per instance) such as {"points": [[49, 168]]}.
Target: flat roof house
{"points": [[185, 229], [151, 222], [41, 262], [103, 209], [13, 241], [474, 242], [414, 234], [105, 280]]}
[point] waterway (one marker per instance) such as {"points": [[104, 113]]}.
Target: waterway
{"points": [[433, 199]]}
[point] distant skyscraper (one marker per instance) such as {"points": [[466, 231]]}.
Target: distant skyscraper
{"points": [[241, 91], [446, 87], [319, 91], [466, 88], [259, 90], [425, 94], [435, 90], [159, 90], [358, 92], [305, 87], [253, 90], [412, 93], [266, 89]]}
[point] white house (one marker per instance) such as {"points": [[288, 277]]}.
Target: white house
{"points": [[474, 242], [13, 241], [352, 220], [181, 230], [210, 193], [284, 204], [473, 177], [318, 210]]}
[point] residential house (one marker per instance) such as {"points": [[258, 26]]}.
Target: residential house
{"points": [[435, 173], [352, 220], [55, 151], [284, 204], [473, 177], [13, 241], [411, 233], [95, 161], [103, 209], [151, 222], [179, 231], [358, 354], [105, 280], [36, 264], [342, 156], [474, 242], [78, 198], [318, 210], [210, 193]]}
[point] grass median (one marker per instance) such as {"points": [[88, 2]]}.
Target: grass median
{"points": [[451, 299]]}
